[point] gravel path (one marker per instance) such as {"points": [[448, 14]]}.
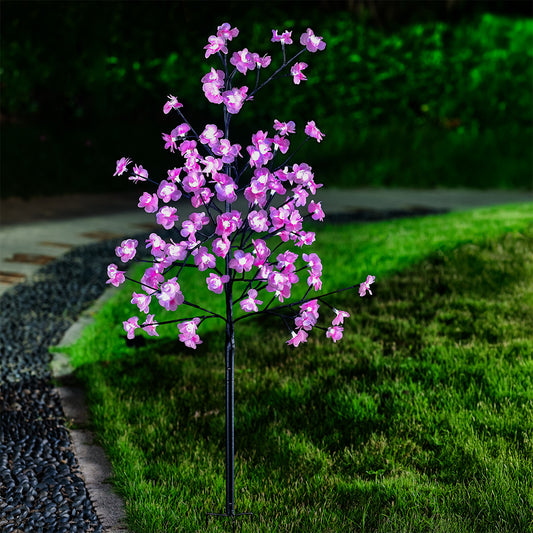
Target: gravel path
{"points": [[41, 489]]}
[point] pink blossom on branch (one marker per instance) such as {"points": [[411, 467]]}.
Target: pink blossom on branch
{"points": [[313, 131], [297, 74], [250, 304], [215, 44], [227, 32], [122, 166], [171, 104], [284, 38], [116, 277], [311, 41], [365, 286], [127, 250]]}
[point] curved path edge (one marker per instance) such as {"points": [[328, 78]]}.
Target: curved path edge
{"points": [[93, 462]]}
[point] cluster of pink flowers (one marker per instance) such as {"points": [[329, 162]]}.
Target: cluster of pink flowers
{"points": [[227, 245]]}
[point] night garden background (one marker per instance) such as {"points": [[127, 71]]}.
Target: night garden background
{"points": [[421, 94]]}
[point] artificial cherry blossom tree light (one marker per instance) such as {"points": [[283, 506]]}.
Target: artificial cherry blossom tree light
{"points": [[237, 252]]}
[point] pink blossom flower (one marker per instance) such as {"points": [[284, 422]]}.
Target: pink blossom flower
{"points": [[297, 338], [261, 252], [365, 286], [168, 191], [215, 44], [148, 202], [204, 260], [314, 262], [225, 188], [313, 131], [170, 295], [130, 326], [279, 284], [262, 62], [334, 333], [339, 317], [258, 220], [315, 208], [227, 32], [212, 165], [171, 104], [281, 143], [116, 277], [257, 191], [284, 38], [305, 238], [188, 333], [250, 304], [211, 135], [170, 142], [311, 41], [284, 128], [142, 301], [122, 165], [227, 151], [174, 175], [312, 306], [180, 131], [176, 252], [151, 280], [167, 217], [215, 283], [193, 181], [234, 99], [212, 93], [214, 76], [221, 246], [297, 74], [140, 174], [157, 244], [241, 261], [127, 250], [227, 223], [314, 280], [242, 61], [150, 325], [201, 197], [299, 196], [306, 320]]}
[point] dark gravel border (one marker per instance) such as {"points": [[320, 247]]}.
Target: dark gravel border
{"points": [[41, 488]]}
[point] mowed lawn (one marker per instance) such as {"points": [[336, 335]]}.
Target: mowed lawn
{"points": [[419, 420]]}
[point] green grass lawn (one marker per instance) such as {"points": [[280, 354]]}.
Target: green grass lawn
{"points": [[421, 419]]}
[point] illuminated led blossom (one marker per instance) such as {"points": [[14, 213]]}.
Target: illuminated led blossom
{"points": [[127, 250], [284, 38], [334, 333], [130, 326], [297, 74], [365, 286], [250, 304], [150, 325], [116, 277], [122, 166], [313, 131], [171, 104], [311, 41]]}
